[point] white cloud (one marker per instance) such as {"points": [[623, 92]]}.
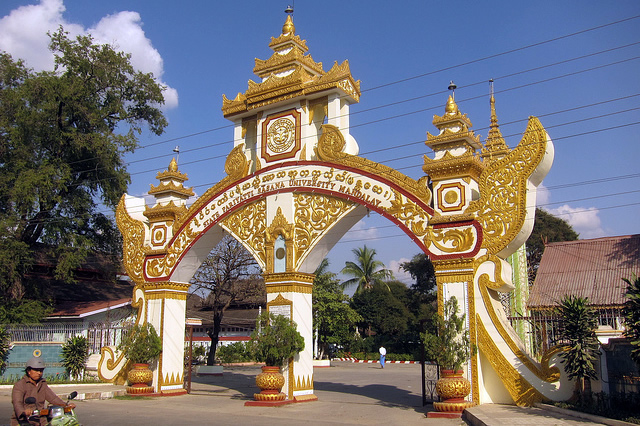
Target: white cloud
{"points": [[359, 231], [23, 34], [542, 195], [585, 221], [398, 272]]}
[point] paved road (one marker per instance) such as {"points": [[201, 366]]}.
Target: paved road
{"points": [[348, 394]]}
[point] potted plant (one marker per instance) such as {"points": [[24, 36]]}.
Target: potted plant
{"points": [[274, 341], [141, 346], [450, 347]]}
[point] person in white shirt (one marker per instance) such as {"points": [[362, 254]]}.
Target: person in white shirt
{"points": [[383, 354]]}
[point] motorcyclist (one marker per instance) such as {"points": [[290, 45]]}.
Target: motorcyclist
{"points": [[32, 384]]}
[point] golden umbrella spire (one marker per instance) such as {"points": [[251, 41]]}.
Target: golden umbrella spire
{"points": [[288, 27]]}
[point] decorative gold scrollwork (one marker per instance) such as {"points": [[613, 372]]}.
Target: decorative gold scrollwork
{"points": [[460, 239], [315, 213], [407, 212], [236, 165], [249, 225], [133, 251], [161, 266], [331, 143], [501, 208]]}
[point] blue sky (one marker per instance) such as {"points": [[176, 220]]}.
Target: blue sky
{"points": [[574, 64]]}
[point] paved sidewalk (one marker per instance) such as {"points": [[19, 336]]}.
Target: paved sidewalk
{"points": [[349, 394]]}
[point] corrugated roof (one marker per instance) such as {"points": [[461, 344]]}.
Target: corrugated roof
{"points": [[82, 309], [586, 268]]}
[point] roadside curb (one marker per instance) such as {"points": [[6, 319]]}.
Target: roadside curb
{"points": [[95, 395], [68, 388], [581, 415]]}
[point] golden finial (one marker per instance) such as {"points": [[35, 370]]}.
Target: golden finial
{"points": [[451, 108], [173, 165], [288, 27], [492, 102]]}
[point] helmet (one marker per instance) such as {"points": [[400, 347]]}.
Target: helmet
{"points": [[35, 362]]}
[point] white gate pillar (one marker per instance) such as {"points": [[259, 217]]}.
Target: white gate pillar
{"points": [[166, 310], [289, 294]]}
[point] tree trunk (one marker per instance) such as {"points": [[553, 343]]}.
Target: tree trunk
{"points": [[214, 336]]}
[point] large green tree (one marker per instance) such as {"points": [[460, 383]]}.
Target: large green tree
{"points": [[547, 228], [334, 321], [365, 271], [577, 330], [385, 316], [63, 134], [631, 312], [422, 295]]}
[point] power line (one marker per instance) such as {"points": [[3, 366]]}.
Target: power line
{"points": [[445, 69], [474, 61], [587, 210]]}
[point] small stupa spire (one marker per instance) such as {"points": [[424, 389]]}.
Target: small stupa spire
{"points": [[495, 147]]}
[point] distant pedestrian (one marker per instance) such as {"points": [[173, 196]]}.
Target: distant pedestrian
{"points": [[383, 354]]}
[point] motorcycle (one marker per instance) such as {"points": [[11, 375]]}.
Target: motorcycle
{"points": [[56, 415]]}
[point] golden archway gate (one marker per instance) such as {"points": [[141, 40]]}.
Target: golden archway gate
{"points": [[294, 185]]}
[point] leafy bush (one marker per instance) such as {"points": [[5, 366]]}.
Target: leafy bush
{"points": [[235, 352], [4, 348], [142, 344], [74, 356], [621, 406], [451, 346], [275, 339]]}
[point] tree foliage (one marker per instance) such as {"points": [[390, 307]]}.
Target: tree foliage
{"points": [[334, 321], [4, 348], [228, 275], [546, 229], [450, 346], [421, 270], [63, 134], [383, 310], [631, 312], [365, 271], [75, 353], [578, 325], [24, 311], [275, 339]]}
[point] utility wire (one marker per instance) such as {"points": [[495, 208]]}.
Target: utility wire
{"points": [[446, 69]]}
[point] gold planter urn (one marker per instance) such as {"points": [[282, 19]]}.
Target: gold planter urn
{"points": [[452, 388], [270, 382], [140, 378]]}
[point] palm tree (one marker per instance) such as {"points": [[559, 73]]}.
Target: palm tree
{"points": [[366, 271], [578, 325]]}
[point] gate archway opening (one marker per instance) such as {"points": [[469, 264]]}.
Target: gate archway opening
{"points": [[295, 185]]}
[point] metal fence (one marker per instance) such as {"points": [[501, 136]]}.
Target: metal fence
{"points": [[430, 376], [98, 334], [545, 326]]}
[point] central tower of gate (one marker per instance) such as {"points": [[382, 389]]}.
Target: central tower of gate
{"points": [[277, 121]]}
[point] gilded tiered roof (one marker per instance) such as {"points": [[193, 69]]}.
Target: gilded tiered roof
{"points": [[171, 181], [454, 129], [290, 73]]}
